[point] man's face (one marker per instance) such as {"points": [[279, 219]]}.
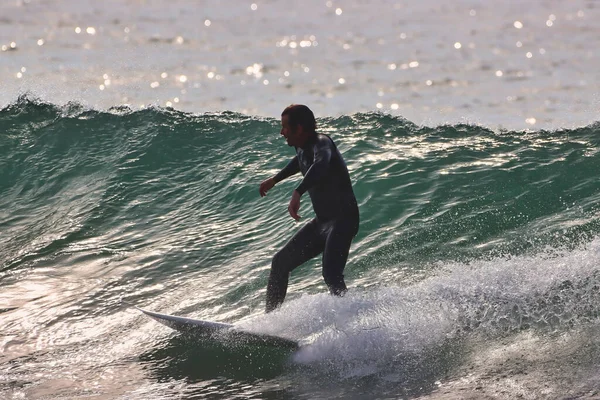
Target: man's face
{"points": [[292, 135]]}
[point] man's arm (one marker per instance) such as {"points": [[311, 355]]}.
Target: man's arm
{"points": [[293, 167], [322, 155]]}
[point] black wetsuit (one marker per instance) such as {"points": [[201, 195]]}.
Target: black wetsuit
{"points": [[331, 232]]}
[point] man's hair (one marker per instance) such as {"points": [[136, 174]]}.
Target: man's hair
{"points": [[299, 114]]}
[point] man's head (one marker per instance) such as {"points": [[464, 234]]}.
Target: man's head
{"points": [[297, 124]]}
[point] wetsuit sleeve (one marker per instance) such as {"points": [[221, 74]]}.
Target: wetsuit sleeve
{"points": [[292, 168], [322, 155]]}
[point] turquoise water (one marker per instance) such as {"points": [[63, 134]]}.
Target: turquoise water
{"points": [[475, 271]]}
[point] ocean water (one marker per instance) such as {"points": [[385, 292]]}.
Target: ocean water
{"points": [[503, 64], [133, 138]]}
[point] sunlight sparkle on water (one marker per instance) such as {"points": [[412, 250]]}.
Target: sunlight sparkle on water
{"points": [[255, 70]]}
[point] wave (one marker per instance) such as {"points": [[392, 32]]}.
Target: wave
{"points": [[426, 193]]}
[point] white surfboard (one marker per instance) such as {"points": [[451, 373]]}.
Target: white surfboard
{"points": [[220, 332]]}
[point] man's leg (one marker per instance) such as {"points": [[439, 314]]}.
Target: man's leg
{"points": [[307, 243], [335, 254]]}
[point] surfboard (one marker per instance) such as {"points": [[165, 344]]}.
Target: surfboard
{"points": [[220, 332]]}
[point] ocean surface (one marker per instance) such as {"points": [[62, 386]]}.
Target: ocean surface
{"points": [[133, 139]]}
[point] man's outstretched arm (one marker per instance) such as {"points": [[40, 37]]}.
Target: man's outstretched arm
{"points": [[293, 167]]}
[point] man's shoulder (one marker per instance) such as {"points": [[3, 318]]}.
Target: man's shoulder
{"points": [[323, 139]]}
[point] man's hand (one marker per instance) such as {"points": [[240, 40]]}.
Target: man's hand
{"points": [[265, 186], [294, 205]]}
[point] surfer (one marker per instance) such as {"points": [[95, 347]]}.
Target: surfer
{"points": [[327, 181]]}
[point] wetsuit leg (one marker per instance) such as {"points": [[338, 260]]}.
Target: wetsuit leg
{"points": [[335, 254], [307, 243]]}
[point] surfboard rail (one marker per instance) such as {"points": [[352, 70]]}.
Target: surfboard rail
{"points": [[218, 331]]}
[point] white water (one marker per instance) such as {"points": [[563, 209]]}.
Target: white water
{"points": [[525, 326]]}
